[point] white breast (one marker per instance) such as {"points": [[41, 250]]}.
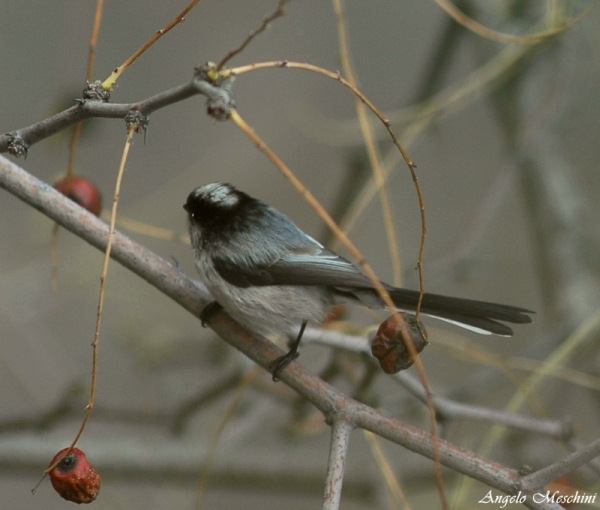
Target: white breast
{"points": [[266, 309]]}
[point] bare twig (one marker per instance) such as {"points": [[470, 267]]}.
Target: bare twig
{"points": [[375, 159], [370, 144], [449, 409], [417, 117], [544, 476], [94, 377], [382, 119], [174, 420], [344, 239], [75, 136], [593, 464], [396, 494], [109, 83], [488, 33], [236, 71], [144, 229], [584, 333], [280, 11], [446, 408], [336, 464], [88, 109]]}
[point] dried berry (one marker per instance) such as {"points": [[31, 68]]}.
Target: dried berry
{"points": [[74, 478], [82, 192], [389, 344]]}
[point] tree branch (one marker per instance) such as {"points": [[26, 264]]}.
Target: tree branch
{"points": [[446, 408], [30, 135], [542, 477], [338, 450]]}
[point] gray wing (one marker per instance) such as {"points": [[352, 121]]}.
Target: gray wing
{"points": [[323, 268], [328, 269]]}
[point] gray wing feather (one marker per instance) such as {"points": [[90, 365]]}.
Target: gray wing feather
{"points": [[328, 269], [325, 268]]}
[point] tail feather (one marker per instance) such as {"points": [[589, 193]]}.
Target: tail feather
{"points": [[480, 316]]}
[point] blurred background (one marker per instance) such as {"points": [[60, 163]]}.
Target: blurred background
{"points": [[505, 139]]}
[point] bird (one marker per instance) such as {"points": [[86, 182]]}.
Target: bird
{"points": [[270, 276]]}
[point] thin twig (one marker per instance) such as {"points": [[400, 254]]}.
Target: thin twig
{"points": [[94, 40], [357, 255], [280, 11], [109, 83], [396, 494], [446, 408], [593, 465], [380, 116], [374, 158], [94, 377], [88, 109], [75, 137], [336, 463], [475, 353], [583, 334], [370, 144], [150, 230], [543, 477], [479, 29]]}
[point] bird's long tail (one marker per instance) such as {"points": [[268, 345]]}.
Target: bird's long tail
{"points": [[479, 316]]}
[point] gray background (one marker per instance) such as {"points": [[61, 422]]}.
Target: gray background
{"points": [[154, 355]]}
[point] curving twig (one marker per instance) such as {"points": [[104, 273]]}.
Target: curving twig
{"points": [[487, 33], [280, 11]]}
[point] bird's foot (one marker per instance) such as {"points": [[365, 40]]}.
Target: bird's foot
{"points": [[278, 364], [208, 312]]}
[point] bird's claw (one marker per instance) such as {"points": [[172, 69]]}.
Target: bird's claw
{"points": [[278, 364], [208, 312]]}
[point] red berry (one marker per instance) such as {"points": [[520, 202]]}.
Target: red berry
{"points": [[74, 478], [389, 344], [81, 191]]}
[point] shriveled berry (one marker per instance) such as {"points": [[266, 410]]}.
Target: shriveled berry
{"points": [[74, 478], [81, 191], [389, 344]]}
